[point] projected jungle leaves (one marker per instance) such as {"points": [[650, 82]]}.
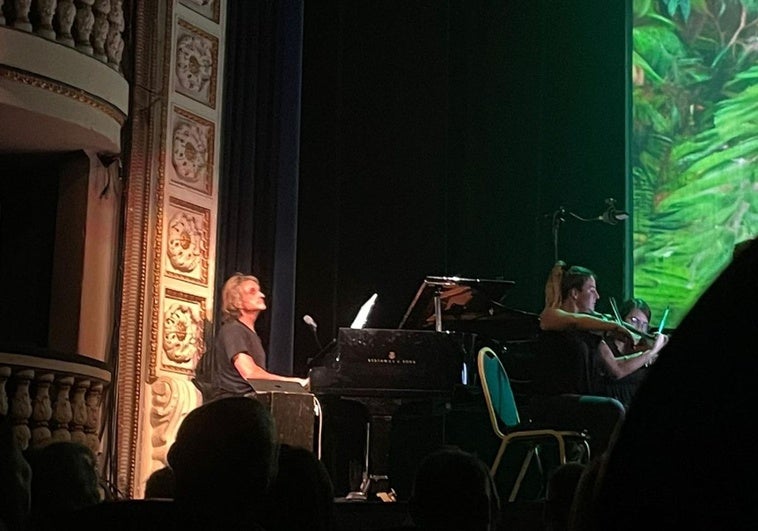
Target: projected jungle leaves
{"points": [[695, 144]]}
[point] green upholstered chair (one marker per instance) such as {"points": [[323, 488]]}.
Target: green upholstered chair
{"points": [[509, 427]]}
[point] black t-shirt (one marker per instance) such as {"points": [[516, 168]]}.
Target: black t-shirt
{"points": [[235, 337], [622, 389]]}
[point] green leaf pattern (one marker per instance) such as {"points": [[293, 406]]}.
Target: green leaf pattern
{"points": [[695, 144]]}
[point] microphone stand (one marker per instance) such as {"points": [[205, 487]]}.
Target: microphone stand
{"points": [[559, 216], [322, 352], [315, 336], [610, 216]]}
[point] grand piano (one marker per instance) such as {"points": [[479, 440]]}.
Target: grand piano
{"points": [[425, 360]]}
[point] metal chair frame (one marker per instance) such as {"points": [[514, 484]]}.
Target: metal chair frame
{"points": [[506, 421]]}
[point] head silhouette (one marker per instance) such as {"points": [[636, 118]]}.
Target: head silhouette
{"points": [[224, 458], [301, 496], [682, 458], [453, 489]]}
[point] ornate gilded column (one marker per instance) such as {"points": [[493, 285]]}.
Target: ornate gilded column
{"points": [[169, 258]]}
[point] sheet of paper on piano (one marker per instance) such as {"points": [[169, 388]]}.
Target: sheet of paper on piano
{"points": [[363, 313]]}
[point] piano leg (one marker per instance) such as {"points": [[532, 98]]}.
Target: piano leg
{"points": [[369, 480], [362, 493]]}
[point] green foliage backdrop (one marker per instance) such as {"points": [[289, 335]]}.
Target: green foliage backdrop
{"points": [[694, 144]]}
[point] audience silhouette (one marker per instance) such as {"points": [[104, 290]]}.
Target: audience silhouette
{"points": [[15, 480], [160, 484], [684, 457], [64, 479], [301, 497], [224, 459], [454, 490], [559, 497]]}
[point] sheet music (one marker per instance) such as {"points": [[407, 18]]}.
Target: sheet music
{"points": [[362, 317]]}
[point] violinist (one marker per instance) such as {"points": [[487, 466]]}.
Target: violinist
{"points": [[616, 350], [635, 312], [572, 354]]}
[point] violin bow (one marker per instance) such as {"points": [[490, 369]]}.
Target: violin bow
{"points": [[662, 324], [615, 309]]}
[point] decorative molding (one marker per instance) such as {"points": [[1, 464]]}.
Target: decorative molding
{"points": [[196, 69], [188, 241], [192, 155], [61, 89], [168, 261], [166, 413], [182, 328], [208, 8], [157, 247], [136, 267]]}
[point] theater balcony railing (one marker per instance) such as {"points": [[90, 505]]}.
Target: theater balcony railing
{"points": [[61, 82], [54, 397]]}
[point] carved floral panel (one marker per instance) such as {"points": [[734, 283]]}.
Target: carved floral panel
{"points": [[196, 68], [192, 151], [207, 8], [187, 241], [182, 325]]}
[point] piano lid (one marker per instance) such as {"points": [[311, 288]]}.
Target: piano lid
{"points": [[459, 299]]}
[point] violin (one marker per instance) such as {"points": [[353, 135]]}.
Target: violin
{"points": [[641, 340]]}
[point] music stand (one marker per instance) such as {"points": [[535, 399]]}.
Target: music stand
{"points": [[454, 298]]}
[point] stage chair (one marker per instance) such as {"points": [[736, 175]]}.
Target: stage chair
{"points": [[509, 428]]}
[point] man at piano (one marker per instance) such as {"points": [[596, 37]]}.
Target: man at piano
{"points": [[238, 353]]}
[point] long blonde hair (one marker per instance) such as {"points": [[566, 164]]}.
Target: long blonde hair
{"points": [[562, 280], [553, 297], [230, 295]]}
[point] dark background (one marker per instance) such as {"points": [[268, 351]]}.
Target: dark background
{"points": [[437, 138]]}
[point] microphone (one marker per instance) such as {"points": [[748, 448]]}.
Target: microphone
{"points": [[611, 216], [314, 328]]}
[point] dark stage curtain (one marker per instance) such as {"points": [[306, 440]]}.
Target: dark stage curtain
{"points": [[259, 161]]}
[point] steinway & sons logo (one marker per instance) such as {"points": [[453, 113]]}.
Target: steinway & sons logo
{"points": [[392, 359]]}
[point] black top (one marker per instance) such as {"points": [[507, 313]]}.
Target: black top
{"points": [[566, 363], [622, 389], [235, 337]]}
